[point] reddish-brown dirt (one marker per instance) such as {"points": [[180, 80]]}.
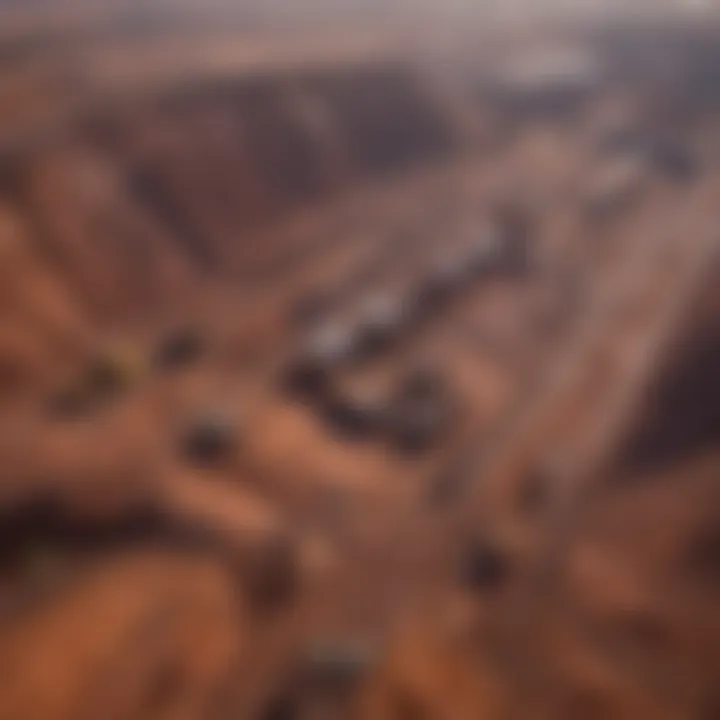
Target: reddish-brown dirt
{"points": [[359, 377]]}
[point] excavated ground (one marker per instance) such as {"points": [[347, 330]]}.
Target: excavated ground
{"points": [[343, 381]]}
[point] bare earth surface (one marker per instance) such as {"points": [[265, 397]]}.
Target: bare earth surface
{"points": [[355, 375]]}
